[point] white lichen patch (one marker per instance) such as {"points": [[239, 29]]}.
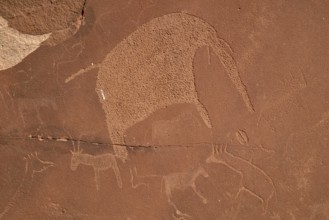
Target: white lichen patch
{"points": [[15, 46]]}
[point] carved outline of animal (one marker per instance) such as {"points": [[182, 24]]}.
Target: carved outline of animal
{"points": [[25, 105], [176, 181], [182, 181], [133, 185], [98, 162], [31, 160], [222, 156], [152, 69]]}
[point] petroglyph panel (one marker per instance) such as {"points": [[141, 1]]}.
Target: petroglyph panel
{"points": [[137, 81], [164, 109]]}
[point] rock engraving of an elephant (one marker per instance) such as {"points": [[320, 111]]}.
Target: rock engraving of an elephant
{"points": [[152, 68]]}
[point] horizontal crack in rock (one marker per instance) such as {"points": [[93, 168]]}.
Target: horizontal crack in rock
{"points": [[129, 146]]}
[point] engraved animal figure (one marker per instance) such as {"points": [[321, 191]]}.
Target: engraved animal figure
{"points": [[152, 69], [33, 106], [182, 181], [33, 166], [98, 162], [133, 175], [254, 180]]}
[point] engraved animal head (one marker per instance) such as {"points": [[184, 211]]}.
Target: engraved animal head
{"points": [[75, 159], [215, 157], [76, 153], [202, 171]]}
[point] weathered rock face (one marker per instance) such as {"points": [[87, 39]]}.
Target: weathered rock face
{"points": [[15, 46], [164, 110], [62, 18]]}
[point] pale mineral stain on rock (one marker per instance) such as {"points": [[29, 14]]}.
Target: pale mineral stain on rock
{"points": [[15, 46]]}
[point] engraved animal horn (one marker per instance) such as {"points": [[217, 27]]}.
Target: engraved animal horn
{"points": [[79, 142], [74, 149], [211, 158], [70, 137]]}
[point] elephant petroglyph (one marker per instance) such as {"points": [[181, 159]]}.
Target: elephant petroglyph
{"points": [[152, 68]]}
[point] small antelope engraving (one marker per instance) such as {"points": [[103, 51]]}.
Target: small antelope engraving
{"points": [[176, 181], [181, 181], [98, 162], [33, 166]]}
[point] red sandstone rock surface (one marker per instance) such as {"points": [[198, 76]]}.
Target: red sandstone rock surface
{"points": [[153, 109]]}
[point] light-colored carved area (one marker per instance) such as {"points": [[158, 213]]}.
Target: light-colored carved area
{"points": [[15, 46], [33, 166], [36, 17], [254, 180], [133, 176], [138, 80], [173, 182], [190, 109], [28, 107], [99, 163], [181, 181], [152, 68], [242, 137]]}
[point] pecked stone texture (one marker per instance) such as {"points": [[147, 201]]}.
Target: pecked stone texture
{"points": [[61, 18], [126, 110]]}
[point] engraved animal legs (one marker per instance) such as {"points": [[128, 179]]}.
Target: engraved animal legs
{"points": [[177, 211], [180, 215], [204, 200], [132, 174], [214, 157], [97, 180], [221, 156], [117, 174]]}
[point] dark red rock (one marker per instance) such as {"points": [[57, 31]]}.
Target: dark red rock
{"points": [[267, 161]]}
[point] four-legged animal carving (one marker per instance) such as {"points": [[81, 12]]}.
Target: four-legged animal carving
{"points": [[152, 69], [33, 166], [176, 181], [251, 176], [98, 162], [181, 181]]}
